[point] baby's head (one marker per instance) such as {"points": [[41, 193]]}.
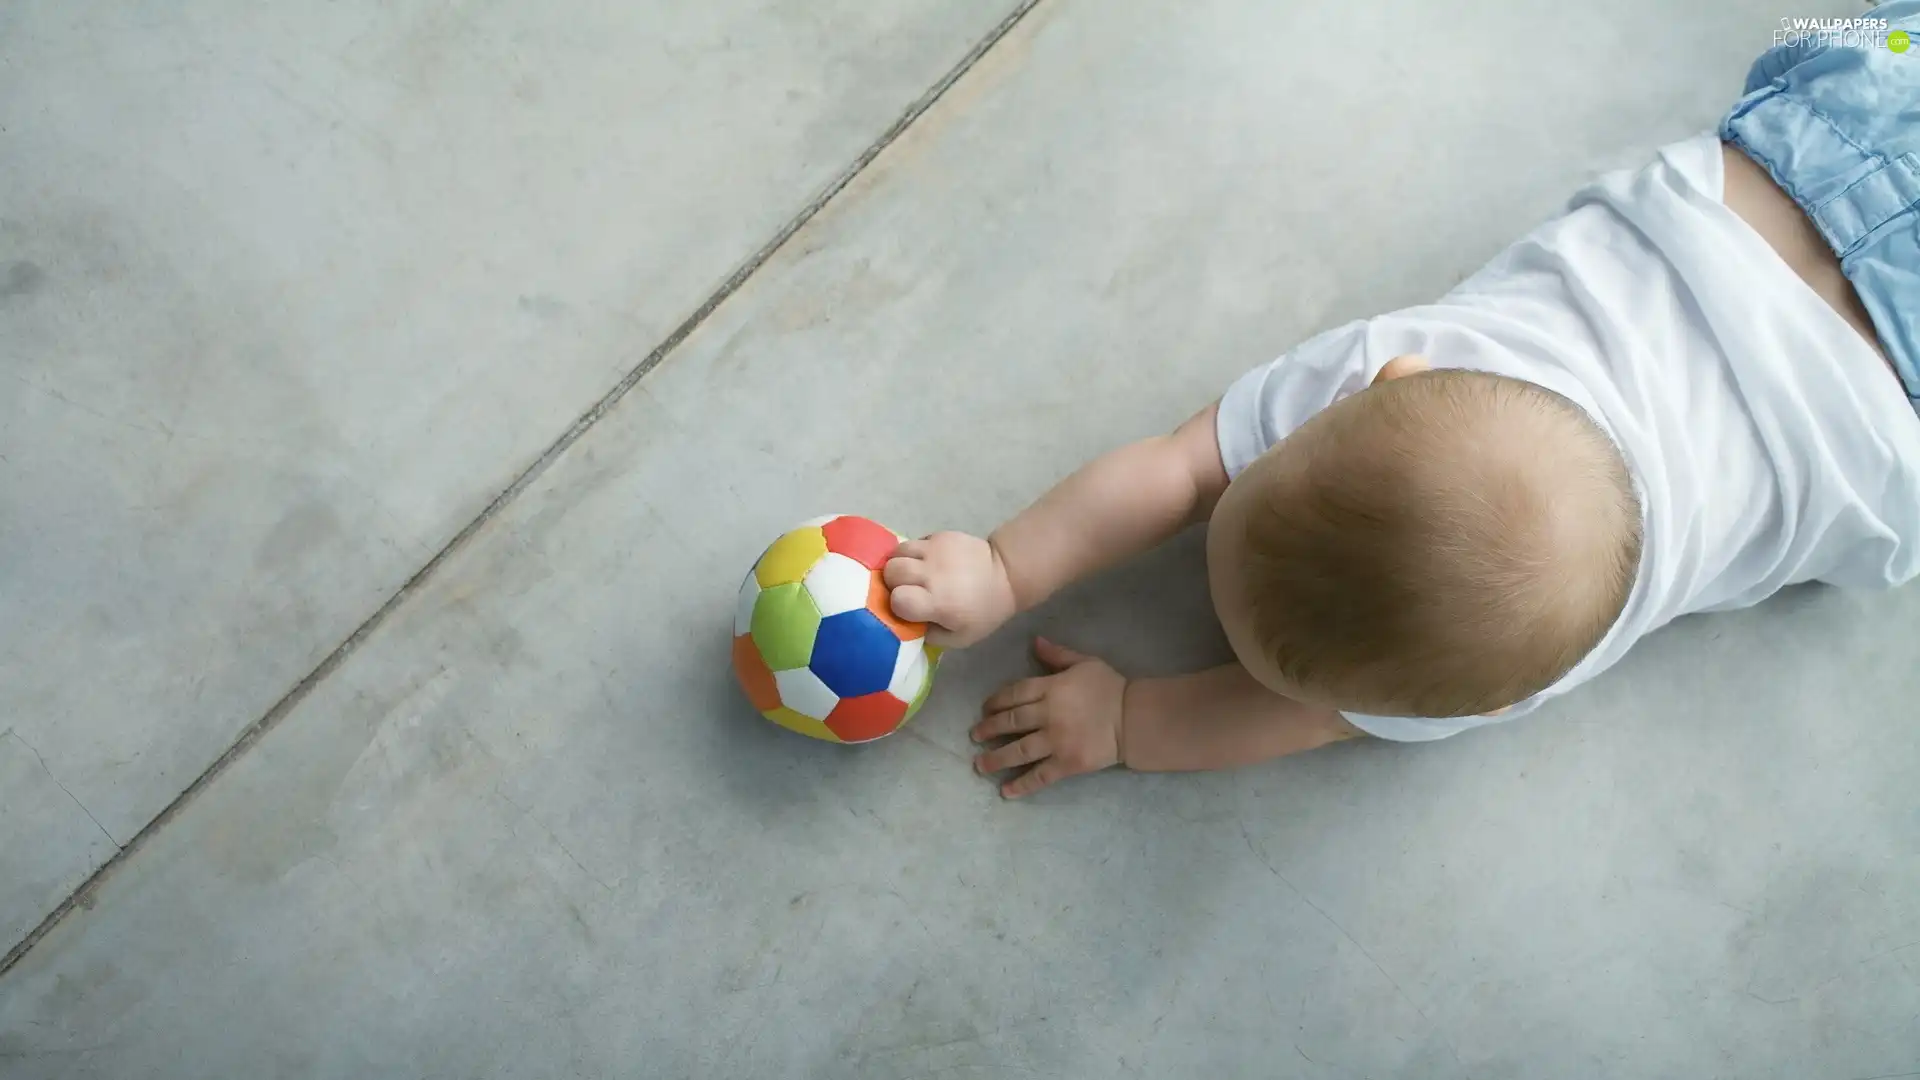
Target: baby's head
{"points": [[1446, 543]]}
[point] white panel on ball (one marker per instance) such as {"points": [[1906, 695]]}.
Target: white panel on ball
{"points": [[838, 583], [909, 670], [803, 692], [743, 606]]}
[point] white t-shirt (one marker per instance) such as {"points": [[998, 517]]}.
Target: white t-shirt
{"points": [[1769, 442]]}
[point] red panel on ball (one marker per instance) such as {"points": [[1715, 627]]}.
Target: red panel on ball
{"points": [[866, 717], [863, 541], [754, 677], [877, 603]]}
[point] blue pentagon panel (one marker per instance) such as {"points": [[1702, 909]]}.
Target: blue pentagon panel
{"points": [[854, 653]]}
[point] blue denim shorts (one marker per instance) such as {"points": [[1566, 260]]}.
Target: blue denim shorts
{"points": [[1836, 121]]}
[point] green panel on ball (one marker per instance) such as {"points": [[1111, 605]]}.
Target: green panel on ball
{"points": [[785, 621], [919, 699]]}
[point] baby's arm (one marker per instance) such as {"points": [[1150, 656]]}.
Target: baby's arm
{"points": [[1218, 719], [1115, 506], [1085, 717]]}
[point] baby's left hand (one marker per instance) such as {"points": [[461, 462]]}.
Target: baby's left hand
{"points": [[1066, 723]]}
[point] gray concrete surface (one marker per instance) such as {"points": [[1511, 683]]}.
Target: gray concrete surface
{"points": [[289, 292], [529, 829]]}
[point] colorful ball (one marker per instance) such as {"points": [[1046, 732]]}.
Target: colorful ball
{"points": [[816, 645]]}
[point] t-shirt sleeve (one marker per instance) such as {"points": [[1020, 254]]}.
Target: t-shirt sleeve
{"points": [[1427, 729], [1266, 404]]}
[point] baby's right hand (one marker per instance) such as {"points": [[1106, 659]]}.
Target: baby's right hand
{"points": [[955, 582]]}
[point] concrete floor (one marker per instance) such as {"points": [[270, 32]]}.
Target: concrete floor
{"points": [[289, 297], [289, 293]]}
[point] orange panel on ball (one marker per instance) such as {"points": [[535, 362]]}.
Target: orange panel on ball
{"points": [[754, 677], [867, 542], [877, 603], [868, 716]]}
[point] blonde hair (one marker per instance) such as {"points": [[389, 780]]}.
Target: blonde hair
{"points": [[1444, 544]]}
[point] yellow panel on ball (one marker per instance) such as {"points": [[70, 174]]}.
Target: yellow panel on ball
{"points": [[805, 725], [790, 557]]}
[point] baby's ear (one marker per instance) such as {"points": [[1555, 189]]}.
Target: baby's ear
{"points": [[1402, 366]]}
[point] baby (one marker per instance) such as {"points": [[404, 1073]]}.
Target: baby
{"points": [[1697, 385]]}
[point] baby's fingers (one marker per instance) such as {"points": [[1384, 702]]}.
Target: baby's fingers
{"points": [[912, 603], [905, 570], [1057, 656], [1015, 754], [939, 637], [1034, 779], [1015, 694], [1011, 722]]}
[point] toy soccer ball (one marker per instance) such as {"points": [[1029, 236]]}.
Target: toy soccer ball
{"points": [[816, 645]]}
